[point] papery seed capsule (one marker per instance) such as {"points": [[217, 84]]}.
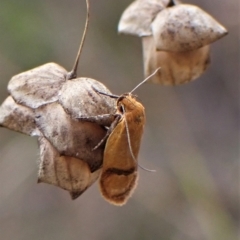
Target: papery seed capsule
{"points": [[69, 173], [71, 137], [37, 86], [78, 98], [185, 27], [18, 118], [176, 67], [138, 16]]}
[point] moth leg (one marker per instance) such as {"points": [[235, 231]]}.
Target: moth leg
{"points": [[103, 120], [109, 131], [105, 94]]}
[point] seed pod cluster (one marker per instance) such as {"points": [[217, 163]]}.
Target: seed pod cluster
{"points": [[45, 104], [84, 132], [175, 37]]}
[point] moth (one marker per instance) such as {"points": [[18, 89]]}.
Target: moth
{"points": [[119, 175]]}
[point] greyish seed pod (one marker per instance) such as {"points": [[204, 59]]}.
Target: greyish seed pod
{"points": [[71, 137], [176, 67], [175, 37], [185, 27], [28, 91], [78, 98], [18, 118], [138, 16], [56, 102], [47, 102], [37, 86], [43, 103], [66, 172], [66, 156]]}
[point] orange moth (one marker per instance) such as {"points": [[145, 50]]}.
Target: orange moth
{"points": [[119, 170]]}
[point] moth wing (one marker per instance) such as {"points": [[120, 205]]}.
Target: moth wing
{"points": [[18, 118], [119, 173], [37, 86]]}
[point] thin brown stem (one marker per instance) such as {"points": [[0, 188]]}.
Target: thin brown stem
{"points": [[73, 73]]}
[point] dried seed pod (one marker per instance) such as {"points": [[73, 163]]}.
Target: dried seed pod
{"points": [[18, 118], [37, 86], [71, 137], [46, 101], [185, 27], [38, 111], [176, 67], [175, 37], [79, 99], [138, 16], [69, 173]]}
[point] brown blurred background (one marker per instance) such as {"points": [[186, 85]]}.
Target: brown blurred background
{"points": [[191, 136]]}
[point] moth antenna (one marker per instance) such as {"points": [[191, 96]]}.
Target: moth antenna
{"points": [[73, 73], [145, 80], [105, 94], [130, 146], [146, 169]]}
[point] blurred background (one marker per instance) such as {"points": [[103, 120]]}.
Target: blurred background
{"points": [[191, 136]]}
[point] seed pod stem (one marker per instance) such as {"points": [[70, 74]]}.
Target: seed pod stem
{"points": [[73, 73]]}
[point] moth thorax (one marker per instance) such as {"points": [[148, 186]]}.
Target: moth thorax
{"points": [[129, 102]]}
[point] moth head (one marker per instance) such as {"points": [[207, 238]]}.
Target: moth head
{"points": [[128, 101]]}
